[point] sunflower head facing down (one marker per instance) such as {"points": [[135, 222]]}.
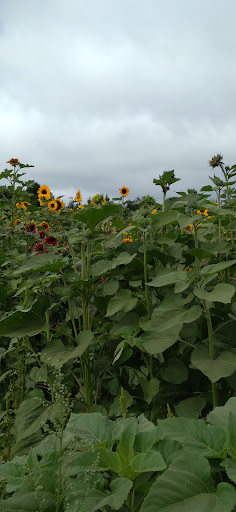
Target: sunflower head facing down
{"points": [[44, 191], [124, 191], [53, 205], [128, 239]]}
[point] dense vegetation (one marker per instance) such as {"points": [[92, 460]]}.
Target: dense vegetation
{"points": [[117, 349]]}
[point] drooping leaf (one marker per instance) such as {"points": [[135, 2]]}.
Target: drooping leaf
{"points": [[93, 429], [190, 407], [123, 301], [149, 461], [176, 372], [92, 216]]}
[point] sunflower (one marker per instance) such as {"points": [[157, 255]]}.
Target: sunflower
{"points": [[80, 206], [154, 211], [53, 206], [78, 196], [44, 225], [124, 191], [24, 205], [40, 248], [44, 191], [60, 203], [42, 234], [18, 205], [13, 161], [16, 222], [50, 240], [128, 239], [31, 227], [98, 199]]}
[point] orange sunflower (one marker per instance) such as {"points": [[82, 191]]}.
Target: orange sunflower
{"points": [[13, 161], [128, 239], [60, 203], [124, 191]]}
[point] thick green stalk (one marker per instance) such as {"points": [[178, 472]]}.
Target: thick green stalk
{"points": [[146, 287], [47, 326], [85, 359], [196, 245], [211, 350], [163, 200]]}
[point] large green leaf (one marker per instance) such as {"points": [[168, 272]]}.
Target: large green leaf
{"points": [[164, 218], [222, 292], [214, 369], [213, 269], [125, 448], [93, 429], [150, 388], [41, 263], [92, 216], [96, 497], [123, 301], [103, 265], [164, 278], [190, 407], [156, 343], [98, 459], [56, 354], [220, 415], [196, 436], [183, 486], [176, 372], [149, 461], [27, 323]]}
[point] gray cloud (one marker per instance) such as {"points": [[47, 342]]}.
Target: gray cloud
{"points": [[98, 95]]}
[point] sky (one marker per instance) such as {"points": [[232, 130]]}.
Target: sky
{"points": [[100, 94]]}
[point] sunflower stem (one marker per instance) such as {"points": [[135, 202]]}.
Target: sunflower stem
{"points": [[211, 351]]}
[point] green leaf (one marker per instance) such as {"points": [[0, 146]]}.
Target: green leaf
{"points": [[103, 265], [145, 440], [150, 388], [93, 429], [230, 468], [220, 415], [92, 216], [41, 263], [184, 485], [123, 301], [213, 269], [190, 407], [222, 292], [56, 354], [99, 459], [164, 218], [196, 436], [214, 369], [176, 371], [172, 277], [28, 323], [149, 461], [232, 434], [125, 448]]}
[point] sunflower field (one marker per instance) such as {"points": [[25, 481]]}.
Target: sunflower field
{"points": [[117, 349]]}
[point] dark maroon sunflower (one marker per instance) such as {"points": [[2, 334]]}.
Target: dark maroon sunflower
{"points": [[50, 240], [31, 227], [40, 248], [42, 234]]}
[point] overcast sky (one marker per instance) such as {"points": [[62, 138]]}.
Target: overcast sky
{"points": [[100, 94]]}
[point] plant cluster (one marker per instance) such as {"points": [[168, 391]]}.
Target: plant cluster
{"points": [[117, 349]]}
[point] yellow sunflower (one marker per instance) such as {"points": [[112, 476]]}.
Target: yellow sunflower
{"points": [[53, 206], [128, 239], [18, 205], [80, 206], [124, 191], [154, 211], [24, 205], [16, 222], [44, 191], [78, 196]]}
